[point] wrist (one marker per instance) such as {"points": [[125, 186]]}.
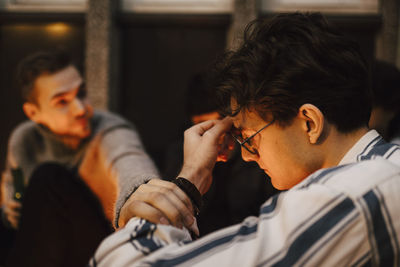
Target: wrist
{"points": [[191, 191], [197, 177]]}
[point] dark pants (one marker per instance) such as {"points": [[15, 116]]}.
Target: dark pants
{"points": [[7, 237], [62, 222]]}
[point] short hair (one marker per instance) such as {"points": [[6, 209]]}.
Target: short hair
{"points": [[385, 86], [291, 60], [31, 67]]}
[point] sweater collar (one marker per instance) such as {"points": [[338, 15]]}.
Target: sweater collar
{"points": [[57, 140]]}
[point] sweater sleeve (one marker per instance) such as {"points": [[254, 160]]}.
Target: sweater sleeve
{"points": [[129, 161], [7, 185]]}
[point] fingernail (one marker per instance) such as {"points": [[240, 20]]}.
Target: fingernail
{"points": [[195, 228], [189, 219], [164, 221]]}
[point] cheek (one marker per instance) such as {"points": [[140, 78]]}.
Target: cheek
{"points": [[60, 118], [284, 165], [61, 122], [287, 178]]}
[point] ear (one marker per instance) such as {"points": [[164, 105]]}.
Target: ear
{"points": [[31, 111], [312, 121]]}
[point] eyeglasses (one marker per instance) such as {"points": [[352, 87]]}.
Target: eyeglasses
{"points": [[246, 143]]}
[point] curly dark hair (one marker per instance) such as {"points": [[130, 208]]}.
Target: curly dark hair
{"points": [[31, 67], [293, 59]]}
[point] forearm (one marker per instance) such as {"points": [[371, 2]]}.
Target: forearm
{"points": [[129, 162], [127, 186]]}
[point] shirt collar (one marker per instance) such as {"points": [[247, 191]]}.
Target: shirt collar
{"points": [[362, 145]]}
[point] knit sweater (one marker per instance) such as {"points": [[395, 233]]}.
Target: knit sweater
{"points": [[31, 144]]}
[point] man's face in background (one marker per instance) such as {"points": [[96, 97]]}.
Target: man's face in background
{"points": [[61, 103]]}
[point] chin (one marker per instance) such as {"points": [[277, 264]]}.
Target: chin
{"points": [[85, 134], [79, 135], [280, 185]]}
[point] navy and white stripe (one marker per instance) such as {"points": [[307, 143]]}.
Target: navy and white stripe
{"points": [[382, 232], [343, 216], [142, 238]]}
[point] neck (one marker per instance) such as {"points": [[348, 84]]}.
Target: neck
{"points": [[338, 144], [71, 142]]}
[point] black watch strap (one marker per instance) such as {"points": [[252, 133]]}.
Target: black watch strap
{"points": [[191, 191]]}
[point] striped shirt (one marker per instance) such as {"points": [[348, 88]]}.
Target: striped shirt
{"points": [[348, 215]]}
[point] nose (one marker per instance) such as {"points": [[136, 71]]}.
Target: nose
{"points": [[79, 107], [247, 156]]}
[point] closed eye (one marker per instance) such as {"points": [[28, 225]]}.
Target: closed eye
{"points": [[61, 102], [248, 141]]}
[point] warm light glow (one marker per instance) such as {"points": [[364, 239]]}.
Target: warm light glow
{"points": [[22, 27], [58, 28]]}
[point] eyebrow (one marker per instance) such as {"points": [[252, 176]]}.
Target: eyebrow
{"points": [[61, 94]]}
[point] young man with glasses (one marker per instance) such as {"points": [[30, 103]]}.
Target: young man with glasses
{"points": [[298, 92]]}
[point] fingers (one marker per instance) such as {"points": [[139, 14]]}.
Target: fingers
{"points": [[159, 202], [12, 211], [14, 221], [147, 212], [15, 205], [221, 127], [211, 130], [153, 215], [201, 128], [167, 199], [184, 203], [215, 127]]}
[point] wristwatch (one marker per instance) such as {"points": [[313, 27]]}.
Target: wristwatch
{"points": [[191, 191]]}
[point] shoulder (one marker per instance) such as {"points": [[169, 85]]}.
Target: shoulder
{"points": [[382, 149], [104, 121], [23, 141], [356, 179], [23, 133]]}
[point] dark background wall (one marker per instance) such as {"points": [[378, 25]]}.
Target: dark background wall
{"points": [[159, 55]]}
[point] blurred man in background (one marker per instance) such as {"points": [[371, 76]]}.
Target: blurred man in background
{"points": [[62, 124]]}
